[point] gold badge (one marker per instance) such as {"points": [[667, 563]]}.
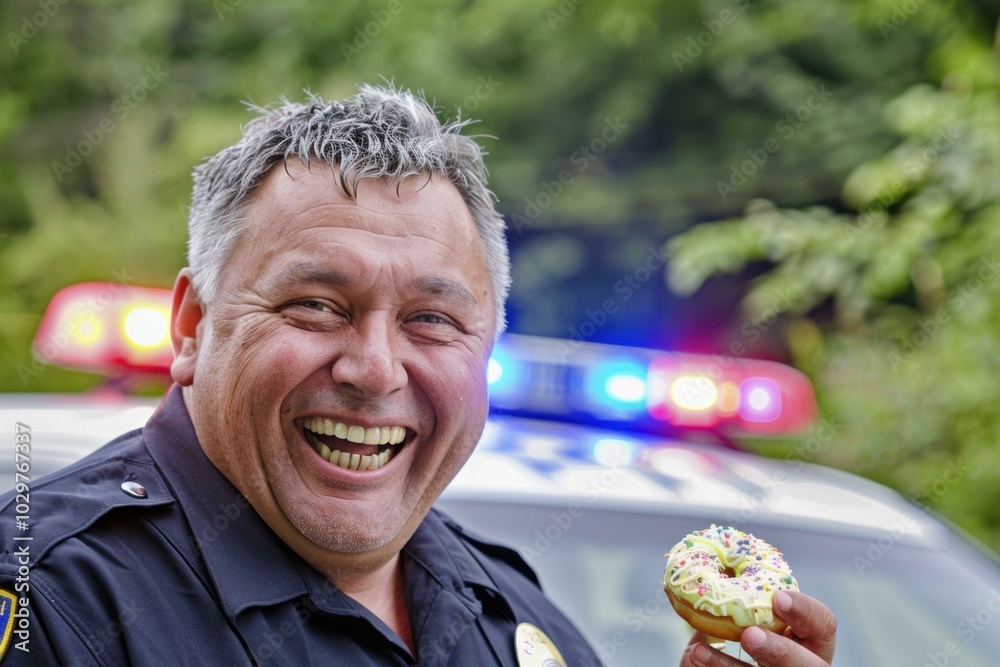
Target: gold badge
{"points": [[535, 649], [8, 605]]}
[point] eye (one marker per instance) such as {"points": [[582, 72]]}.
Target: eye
{"points": [[432, 323], [314, 305], [428, 318], [313, 310]]}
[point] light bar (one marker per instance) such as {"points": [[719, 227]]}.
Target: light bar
{"points": [[107, 328], [693, 392], [761, 400], [616, 386], [114, 329], [640, 388]]}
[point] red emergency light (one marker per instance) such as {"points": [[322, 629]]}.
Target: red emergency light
{"points": [[643, 388], [107, 328]]}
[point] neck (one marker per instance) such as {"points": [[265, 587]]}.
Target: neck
{"points": [[382, 592]]}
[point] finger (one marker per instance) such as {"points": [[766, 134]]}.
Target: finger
{"points": [[700, 654], [812, 624], [773, 650]]}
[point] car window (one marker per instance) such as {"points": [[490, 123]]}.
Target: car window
{"points": [[605, 569]]}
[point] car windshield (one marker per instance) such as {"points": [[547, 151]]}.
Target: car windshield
{"points": [[896, 604]]}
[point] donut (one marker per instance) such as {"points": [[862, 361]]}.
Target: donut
{"points": [[721, 581]]}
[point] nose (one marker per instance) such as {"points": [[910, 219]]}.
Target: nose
{"points": [[368, 365]]}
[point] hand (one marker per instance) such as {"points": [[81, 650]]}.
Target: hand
{"points": [[808, 642]]}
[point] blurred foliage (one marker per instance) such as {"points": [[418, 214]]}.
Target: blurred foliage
{"points": [[643, 106], [891, 300], [636, 118]]}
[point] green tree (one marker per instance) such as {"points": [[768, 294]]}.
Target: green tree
{"points": [[632, 115], [896, 290]]}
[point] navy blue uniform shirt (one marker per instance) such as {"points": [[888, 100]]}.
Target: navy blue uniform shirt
{"points": [[185, 572]]}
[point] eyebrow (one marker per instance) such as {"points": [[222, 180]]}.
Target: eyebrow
{"points": [[310, 273], [444, 287], [437, 286]]}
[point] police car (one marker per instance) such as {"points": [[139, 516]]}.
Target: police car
{"points": [[595, 460]]}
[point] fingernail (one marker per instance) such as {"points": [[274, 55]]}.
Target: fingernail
{"points": [[782, 600], [755, 637], [700, 654]]}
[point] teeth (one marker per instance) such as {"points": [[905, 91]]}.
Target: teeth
{"points": [[374, 435], [357, 461]]}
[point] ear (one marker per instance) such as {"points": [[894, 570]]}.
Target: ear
{"points": [[185, 326]]}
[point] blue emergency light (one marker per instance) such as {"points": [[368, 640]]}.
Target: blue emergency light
{"points": [[640, 387]]}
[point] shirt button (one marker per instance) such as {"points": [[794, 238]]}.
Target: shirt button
{"points": [[134, 489]]}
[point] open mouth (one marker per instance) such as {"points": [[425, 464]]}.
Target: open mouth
{"points": [[350, 446]]}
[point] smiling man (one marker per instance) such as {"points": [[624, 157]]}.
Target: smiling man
{"points": [[347, 280], [336, 376]]}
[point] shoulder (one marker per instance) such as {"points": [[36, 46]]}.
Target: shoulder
{"points": [[43, 513], [68, 538]]}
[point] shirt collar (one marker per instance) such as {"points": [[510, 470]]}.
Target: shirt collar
{"points": [[226, 528], [435, 547]]}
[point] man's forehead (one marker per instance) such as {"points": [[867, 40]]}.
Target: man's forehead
{"points": [[291, 184], [293, 201], [430, 284]]}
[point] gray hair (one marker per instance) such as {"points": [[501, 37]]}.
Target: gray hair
{"points": [[378, 133]]}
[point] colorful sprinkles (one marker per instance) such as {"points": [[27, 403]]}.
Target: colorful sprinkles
{"points": [[728, 573]]}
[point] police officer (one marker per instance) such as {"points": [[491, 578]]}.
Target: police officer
{"points": [[347, 280]]}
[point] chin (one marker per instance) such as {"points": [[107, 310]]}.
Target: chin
{"points": [[348, 537]]}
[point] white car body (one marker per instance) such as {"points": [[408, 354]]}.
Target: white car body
{"points": [[593, 510]]}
